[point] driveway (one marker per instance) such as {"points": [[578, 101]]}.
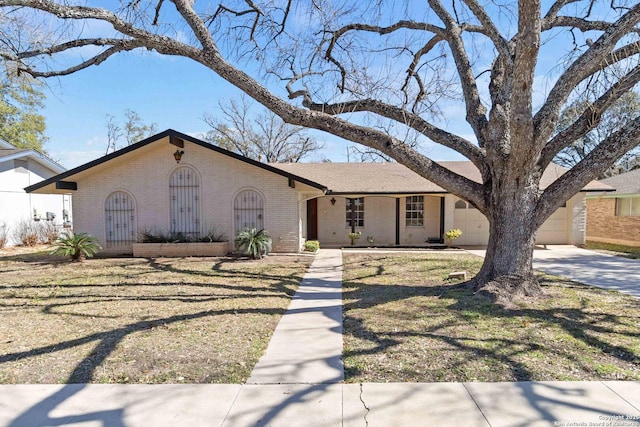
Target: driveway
{"points": [[588, 267]]}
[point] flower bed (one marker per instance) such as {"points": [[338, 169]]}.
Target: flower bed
{"points": [[151, 250]]}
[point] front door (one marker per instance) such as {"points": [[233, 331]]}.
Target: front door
{"points": [[312, 219]]}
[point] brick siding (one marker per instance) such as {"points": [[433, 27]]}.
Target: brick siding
{"points": [[145, 173], [604, 226]]}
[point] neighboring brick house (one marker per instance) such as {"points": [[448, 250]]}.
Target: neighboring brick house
{"points": [[18, 169], [142, 187], [614, 217]]}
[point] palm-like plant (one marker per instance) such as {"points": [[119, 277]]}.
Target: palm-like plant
{"points": [[254, 243], [78, 246]]}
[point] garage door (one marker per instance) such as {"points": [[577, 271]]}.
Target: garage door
{"points": [[475, 227], [554, 231]]}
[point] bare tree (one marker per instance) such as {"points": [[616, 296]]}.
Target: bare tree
{"points": [[132, 130], [114, 133], [626, 109], [398, 61], [265, 136]]}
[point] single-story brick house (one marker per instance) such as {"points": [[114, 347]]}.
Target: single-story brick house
{"points": [[19, 168], [614, 217], [143, 187]]}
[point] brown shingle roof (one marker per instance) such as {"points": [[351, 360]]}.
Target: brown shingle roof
{"points": [[394, 178], [626, 183]]}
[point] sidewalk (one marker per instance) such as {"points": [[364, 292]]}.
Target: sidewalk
{"points": [[299, 382]]}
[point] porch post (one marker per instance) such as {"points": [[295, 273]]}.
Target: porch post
{"points": [[442, 219], [397, 220]]}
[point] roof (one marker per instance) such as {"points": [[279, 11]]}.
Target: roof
{"points": [[173, 135], [625, 183], [335, 178], [394, 178], [8, 152]]}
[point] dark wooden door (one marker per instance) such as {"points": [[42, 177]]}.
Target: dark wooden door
{"points": [[312, 219]]}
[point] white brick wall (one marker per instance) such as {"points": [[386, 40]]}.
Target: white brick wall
{"points": [[145, 174], [379, 221]]}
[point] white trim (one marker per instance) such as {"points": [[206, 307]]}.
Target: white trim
{"points": [[37, 157]]}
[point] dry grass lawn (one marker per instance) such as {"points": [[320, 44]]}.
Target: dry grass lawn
{"points": [[127, 320], [404, 322]]}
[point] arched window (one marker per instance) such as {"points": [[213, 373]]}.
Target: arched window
{"points": [[120, 219], [461, 204], [248, 210], [184, 189]]}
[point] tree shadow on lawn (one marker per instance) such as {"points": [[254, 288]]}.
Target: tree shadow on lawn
{"points": [[105, 344], [107, 341], [285, 284], [88, 295], [444, 323]]}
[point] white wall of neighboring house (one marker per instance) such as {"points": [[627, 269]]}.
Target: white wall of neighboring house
{"points": [[16, 205]]}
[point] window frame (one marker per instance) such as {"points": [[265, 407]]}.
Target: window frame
{"points": [[116, 218], [628, 210], [185, 196], [359, 213], [254, 210], [414, 211]]}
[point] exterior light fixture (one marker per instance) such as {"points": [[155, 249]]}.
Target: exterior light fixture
{"points": [[178, 155], [333, 201]]}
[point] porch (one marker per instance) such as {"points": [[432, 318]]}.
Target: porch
{"points": [[381, 219]]}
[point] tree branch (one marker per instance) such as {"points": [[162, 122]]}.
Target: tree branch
{"points": [[489, 27], [414, 121], [590, 118], [95, 60], [411, 71], [581, 24], [336, 35], [589, 168], [592, 60], [476, 112]]}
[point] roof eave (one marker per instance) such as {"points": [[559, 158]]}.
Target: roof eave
{"points": [[38, 157]]}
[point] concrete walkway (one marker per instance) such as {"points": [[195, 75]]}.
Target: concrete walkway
{"points": [[588, 267], [306, 347], [298, 382]]}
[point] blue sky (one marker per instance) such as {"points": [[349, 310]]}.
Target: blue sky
{"points": [[171, 92], [175, 93]]}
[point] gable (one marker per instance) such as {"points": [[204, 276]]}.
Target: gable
{"points": [[166, 143]]}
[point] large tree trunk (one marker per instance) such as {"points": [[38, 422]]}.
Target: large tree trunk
{"points": [[507, 272]]}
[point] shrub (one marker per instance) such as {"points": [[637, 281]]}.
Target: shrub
{"points": [[254, 243], [156, 236], [26, 233], [311, 245], [4, 235], [78, 246], [47, 232], [452, 234]]}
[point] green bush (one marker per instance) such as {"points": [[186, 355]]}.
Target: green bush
{"points": [[156, 236], [254, 243], [78, 246], [311, 245]]}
